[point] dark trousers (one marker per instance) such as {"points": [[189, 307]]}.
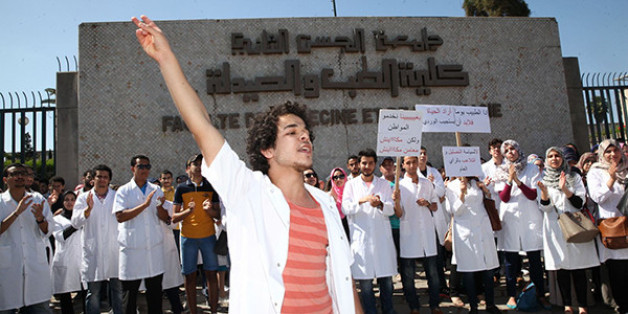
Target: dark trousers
{"points": [[65, 299], [173, 297], [618, 274], [471, 282], [513, 265], [153, 294], [579, 276], [395, 234]]}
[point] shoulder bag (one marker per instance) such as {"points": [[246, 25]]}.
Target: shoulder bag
{"points": [[577, 227], [493, 214], [614, 232]]}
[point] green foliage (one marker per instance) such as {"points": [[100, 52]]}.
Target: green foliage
{"points": [[49, 167], [496, 8]]}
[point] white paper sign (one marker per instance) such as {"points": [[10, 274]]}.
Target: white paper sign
{"points": [[399, 133], [449, 119], [462, 161]]}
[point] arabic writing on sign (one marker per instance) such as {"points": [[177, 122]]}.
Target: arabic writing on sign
{"points": [[462, 161], [399, 133], [448, 119], [279, 43], [391, 76]]}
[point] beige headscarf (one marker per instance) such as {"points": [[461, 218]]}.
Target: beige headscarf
{"points": [[603, 163]]}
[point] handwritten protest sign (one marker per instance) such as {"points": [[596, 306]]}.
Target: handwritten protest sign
{"points": [[449, 119], [462, 161], [399, 133]]}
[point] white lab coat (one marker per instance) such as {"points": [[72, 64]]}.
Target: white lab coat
{"points": [[258, 225], [473, 243], [66, 262], [521, 218], [557, 253], [607, 201], [371, 235], [172, 275], [24, 270], [141, 239], [417, 236], [100, 249], [441, 216]]}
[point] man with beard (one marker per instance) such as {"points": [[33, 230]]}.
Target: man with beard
{"points": [[367, 202], [267, 208], [353, 167]]}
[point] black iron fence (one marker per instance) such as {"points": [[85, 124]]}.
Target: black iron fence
{"points": [[605, 98], [27, 123]]}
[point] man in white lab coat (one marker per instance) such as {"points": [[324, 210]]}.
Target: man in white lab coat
{"points": [[367, 202], [25, 283], [415, 203], [259, 201], [138, 208], [93, 212]]}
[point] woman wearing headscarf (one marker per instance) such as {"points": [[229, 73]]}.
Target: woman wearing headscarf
{"points": [[584, 164], [338, 179], [66, 263], [562, 191], [473, 247], [521, 219], [607, 180]]}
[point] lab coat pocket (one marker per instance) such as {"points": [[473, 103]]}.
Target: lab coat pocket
{"points": [[127, 238], [5, 256]]}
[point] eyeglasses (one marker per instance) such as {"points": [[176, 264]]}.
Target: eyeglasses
{"points": [[143, 166], [338, 177], [17, 174], [309, 175]]}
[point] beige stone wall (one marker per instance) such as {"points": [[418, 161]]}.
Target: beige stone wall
{"points": [[514, 62]]}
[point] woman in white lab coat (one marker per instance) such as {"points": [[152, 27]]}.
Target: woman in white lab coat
{"points": [[66, 263], [473, 243], [606, 180], [516, 183], [563, 191]]}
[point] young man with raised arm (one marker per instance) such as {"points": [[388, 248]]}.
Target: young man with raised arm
{"points": [[268, 206]]}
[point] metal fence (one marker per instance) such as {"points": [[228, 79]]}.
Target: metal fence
{"points": [[27, 123], [605, 100]]}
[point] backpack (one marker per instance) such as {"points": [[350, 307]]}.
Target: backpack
{"points": [[527, 300]]}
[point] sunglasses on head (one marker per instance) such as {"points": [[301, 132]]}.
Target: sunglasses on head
{"points": [[143, 166], [338, 177], [309, 175]]}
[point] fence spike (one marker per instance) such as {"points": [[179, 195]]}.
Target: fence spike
{"points": [[59, 63], [3, 103]]}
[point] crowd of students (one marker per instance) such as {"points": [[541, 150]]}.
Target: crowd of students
{"points": [[530, 192]]}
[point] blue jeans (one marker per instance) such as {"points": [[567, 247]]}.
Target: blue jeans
{"points": [[92, 301], [385, 294], [513, 265], [408, 269], [38, 308]]}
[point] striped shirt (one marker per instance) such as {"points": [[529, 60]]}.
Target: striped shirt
{"points": [[304, 275]]}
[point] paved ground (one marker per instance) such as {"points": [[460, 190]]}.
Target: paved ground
{"points": [[400, 305]]}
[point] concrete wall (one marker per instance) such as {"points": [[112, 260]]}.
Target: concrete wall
{"points": [[67, 128], [513, 64]]}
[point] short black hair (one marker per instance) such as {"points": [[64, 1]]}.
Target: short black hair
{"points": [[136, 157], [165, 172], [5, 172], [88, 171], [423, 148], [367, 153], [496, 142], [352, 157], [57, 179], [103, 168], [263, 133]]}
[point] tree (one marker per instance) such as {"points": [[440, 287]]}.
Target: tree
{"points": [[496, 8]]}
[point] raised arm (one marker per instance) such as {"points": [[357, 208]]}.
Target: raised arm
{"points": [[192, 110]]}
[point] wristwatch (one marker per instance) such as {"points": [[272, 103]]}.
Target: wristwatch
{"points": [[40, 221]]}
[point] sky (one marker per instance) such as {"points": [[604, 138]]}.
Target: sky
{"points": [[33, 33]]}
